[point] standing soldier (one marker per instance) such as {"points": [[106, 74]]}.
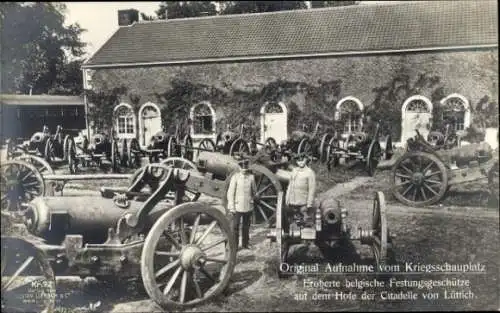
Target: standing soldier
{"points": [[301, 189], [240, 202]]}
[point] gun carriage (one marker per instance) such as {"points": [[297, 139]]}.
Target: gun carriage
{"points": [[312, 144], [425, 173], [101, 151], [183, 252], [52, 147], [358, 148], [238, 144], [329, 230]]}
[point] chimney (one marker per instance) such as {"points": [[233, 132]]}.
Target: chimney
{"points": [[127, 17]]}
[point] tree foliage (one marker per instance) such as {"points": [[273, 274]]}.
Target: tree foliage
{"points": [[239, 7], [181, 9], [36, 46]]}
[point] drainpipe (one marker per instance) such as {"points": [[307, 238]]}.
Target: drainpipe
{"points": [[86, 105]]}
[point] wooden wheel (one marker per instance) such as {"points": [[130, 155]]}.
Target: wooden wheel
{"points": [[323, 147], [42, 166], [185, 271], [50, 150], [176, 162], [332, 159], [187, 150], [419, 179], [207, 144], [71, 155], [172, 148], [373, 157], [267, 196], [305, 147], [239, 147], [493, 182], [133, 153], [20, 183], [388, 148], [66, 142], [26, 274], [123, 155], [380, 232], [115, 155]]}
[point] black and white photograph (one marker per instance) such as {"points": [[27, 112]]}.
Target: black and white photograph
{"points": [[249, 156]]}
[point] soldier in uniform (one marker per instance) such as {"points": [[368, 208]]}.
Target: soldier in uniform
{"points": [[301, 190], [240, 195]]}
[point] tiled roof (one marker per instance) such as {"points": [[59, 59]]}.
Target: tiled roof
{"points": [[354, 29], [12, 99]]}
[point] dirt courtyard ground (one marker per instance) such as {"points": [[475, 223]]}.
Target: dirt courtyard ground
{"points": [[462, 230]]}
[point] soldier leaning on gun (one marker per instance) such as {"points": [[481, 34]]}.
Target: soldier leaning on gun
{"points": [[240, 195], [301, 190]]}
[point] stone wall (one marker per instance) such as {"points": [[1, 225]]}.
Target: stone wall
{"points": [[309, 87]]}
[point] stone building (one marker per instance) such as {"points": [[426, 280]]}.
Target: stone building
{"points": [[399, 62]]}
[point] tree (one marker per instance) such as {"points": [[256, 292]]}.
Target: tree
{"points": [[146, 17], [324, 4], [181, 9], [36, 46], [239, 7]]}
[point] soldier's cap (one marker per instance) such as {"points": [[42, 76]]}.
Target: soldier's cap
{"points": [[301, 156]]}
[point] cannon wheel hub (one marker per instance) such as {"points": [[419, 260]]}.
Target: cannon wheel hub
{"points": [[192, 256]]}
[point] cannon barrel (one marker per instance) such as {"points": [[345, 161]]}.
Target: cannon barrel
{"points": [[52, 218], [221, 165], [331, 216]]}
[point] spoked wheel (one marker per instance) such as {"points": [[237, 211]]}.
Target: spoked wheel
{"points": [[419, 179], [123, 148], [388, 148], [239, 147], [194, 269], [172, 148], [373, 157], [176, 162], [71, 156], [50, 150], [42, 166], [66, 142], [332, 159], [187, 150], [115, 156], [281, 242], [20, 183], [28, 282], [305, 147], [207, 144], [381, 242], [323, 147], [133, 153], [267, 197], [493, 182]]}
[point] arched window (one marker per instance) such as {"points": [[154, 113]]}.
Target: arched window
{"points": [[456, 111], [203, 119], [125, 120], [349, 110]]}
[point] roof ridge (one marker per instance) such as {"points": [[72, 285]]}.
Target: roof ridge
{"points": [[307, 10]]}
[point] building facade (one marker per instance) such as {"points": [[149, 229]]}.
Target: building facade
{"points": [[406, 64]]}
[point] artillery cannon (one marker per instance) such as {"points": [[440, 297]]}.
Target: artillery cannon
{"points": [[424, 174], [312, 144], [100, 151], [53, 148], [329, 230], [359, 148], [184, 253], [238, 144]]}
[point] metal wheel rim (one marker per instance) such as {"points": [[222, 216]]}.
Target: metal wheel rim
{"points": [[323, 147], [45, 281], [49, 150], [380, 230], [240, 147], [182, 267], [27, 184], [187, 150], [373, 158], [407, 178]]}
